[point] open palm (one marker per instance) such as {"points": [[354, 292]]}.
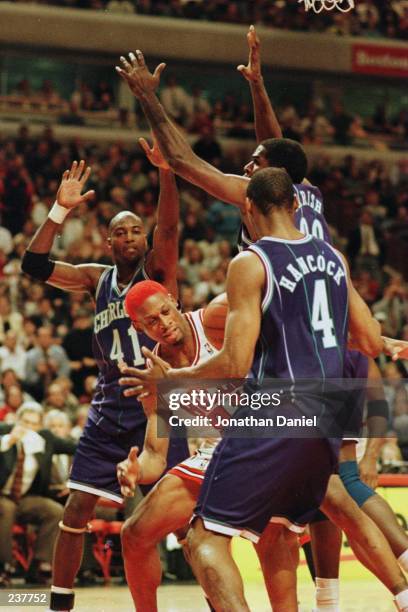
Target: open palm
{"points": [[73, 182]]}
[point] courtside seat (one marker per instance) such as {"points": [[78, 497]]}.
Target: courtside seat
{"points": [[23, 545]]}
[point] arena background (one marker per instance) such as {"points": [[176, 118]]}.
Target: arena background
{"points": [[338, 83]]}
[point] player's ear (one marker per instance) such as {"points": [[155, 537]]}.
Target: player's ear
{"points": [[172, 299], [109, 241], [295, 203]]}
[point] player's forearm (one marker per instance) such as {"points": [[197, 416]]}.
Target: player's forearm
{"points": [[169, 205], [266, 122], [173, 145], [152, 466], [43, 239]]}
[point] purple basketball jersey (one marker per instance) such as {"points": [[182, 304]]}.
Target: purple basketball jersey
{"points": [[304, 310], [115, 340]]}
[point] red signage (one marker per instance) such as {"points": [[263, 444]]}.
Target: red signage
{"points": [[380, 59]]}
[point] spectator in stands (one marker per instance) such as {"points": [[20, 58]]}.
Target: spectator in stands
{"points": [[341, 122], [14, 399], [120, 6], [78, 346], [394, 305], [56, 400], [9, 319], [207, 146], [80, 421], [224, 220], [176, 101], [59, 424], [365, 246], [12, 354], [26, 452], [45, 362]]}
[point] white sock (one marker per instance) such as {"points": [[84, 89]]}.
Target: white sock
{"points": [[403, 560], [402, 600], [327, 595]]}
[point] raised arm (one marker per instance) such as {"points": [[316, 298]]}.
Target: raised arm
{"points": [[162, 259], [266, 122], [174, 146], [36, 261]]}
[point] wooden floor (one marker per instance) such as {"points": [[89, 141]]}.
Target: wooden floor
{"points": [[356, 596]]}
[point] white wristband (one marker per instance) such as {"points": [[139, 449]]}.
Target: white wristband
{"points": [[58, 213]]}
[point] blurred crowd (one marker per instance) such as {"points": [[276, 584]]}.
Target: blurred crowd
{"points": [[318, 121], [371, 18], [47, 370]]}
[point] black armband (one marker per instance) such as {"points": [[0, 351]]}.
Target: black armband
{"points": [[377, 408], [38, 265]]}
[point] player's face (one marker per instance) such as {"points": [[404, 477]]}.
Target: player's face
{"points": [[159, 318], [128, 240], [257, 162]]}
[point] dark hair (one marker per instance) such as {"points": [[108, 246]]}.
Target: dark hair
{"points": [[271, 187], [288, 154]]}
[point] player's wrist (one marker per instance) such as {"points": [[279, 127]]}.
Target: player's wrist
{"points": [[58, 213]]}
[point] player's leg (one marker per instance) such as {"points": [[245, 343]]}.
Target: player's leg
{"points": [[326, 547], [366, 540], [215, 568], [382, 514], [168, 507], [69, 548], [373, 505], [278, 566]]}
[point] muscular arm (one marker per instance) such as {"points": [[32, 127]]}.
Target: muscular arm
{"points": [[245, 283], [184, 162], [266, 122], [83, 277], [173, 145], [162, 259], [153, 459]]}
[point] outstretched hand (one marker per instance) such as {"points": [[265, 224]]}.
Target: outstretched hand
{"points": [[129, 473], [73, 181], [142, 383], [137, 75], [397, 349], [154, 155], [252, 71]]}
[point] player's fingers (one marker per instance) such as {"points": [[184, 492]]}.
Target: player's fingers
{"points": [[121, 72], [73, 169], [86, 175], [140, 58], [65, 175], [159, 70], [132, 392], [79, 170], [145, 146], [132, 58], [134, 451], [127, 67]]}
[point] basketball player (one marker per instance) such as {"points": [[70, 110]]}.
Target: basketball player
{"points": [[115, 423], [169, 506], [271, 477], [326, 538]]}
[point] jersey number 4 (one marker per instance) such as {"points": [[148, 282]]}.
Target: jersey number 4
{"points": [[321, 319], [117, 354]]}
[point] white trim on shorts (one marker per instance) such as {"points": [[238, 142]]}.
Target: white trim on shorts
{"points": [[184, 470], [288, 524], [227, 529], [79, 486]]}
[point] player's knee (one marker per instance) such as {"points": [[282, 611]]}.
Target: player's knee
{"points": [[135, 536], [350, 477], [199, 544], [79, 509]]}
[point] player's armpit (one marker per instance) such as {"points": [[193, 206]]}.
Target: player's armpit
{"points": [[83, 277]]}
